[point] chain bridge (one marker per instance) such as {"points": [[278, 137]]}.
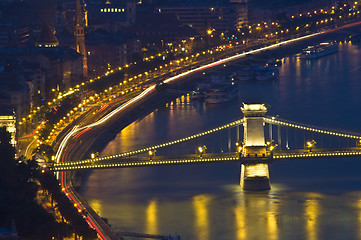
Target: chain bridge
{"points": [[255, 141]]}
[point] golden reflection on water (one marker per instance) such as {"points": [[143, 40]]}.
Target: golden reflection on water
{"points": [[151, 218], [358, 207], [240, 222], [272, 224], [96, 206], [256, 217], [311, 215], [200, 205]]}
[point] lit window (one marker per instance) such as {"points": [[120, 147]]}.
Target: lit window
{"points": [[116, 10], [112, 9], [102, 10], [123, 10]]}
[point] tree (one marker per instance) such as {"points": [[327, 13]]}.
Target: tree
{"points": [[18, 190]]}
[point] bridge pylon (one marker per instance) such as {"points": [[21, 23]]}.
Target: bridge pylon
{"points": [[254, 156]]}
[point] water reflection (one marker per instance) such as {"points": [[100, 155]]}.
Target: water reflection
{"points": [[311, 215], [272, 224], [152, 217], [240, 222], [201, 205], [97, 206]]}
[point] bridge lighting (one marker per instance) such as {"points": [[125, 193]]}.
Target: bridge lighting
{"points": [[92, 155], [152, 153], [202, 149], [273, 147], [239, 149], [310, 144]]}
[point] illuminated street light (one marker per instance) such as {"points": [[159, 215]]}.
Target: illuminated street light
{"points": [[310, 144], [239, 146], [152, 153], [202, 150]]}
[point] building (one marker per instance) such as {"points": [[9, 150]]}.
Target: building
{"points": [[47, 37], [11, 36], [79, 33], [108, 50], [8, 120], [62, 66], [205, 16], [157, 27], [265, 10], [15, 93], [111, 15]]}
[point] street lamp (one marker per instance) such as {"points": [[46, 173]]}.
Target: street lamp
{"points": [[202, 150], [310, 144], [152, 154], [239, 146]]}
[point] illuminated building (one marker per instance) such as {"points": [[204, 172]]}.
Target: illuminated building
{"points": [[111, 15], [46, 38], [80, 36], [8, 120], [203, 16]]}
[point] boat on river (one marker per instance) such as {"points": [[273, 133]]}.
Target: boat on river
{"points": [[221, 93], [320, 50], [257, 73], [200, 92]]}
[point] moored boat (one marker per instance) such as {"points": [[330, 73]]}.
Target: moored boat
{"points": [[200, 92], [222, 93], [257, 73], [320, 50]]}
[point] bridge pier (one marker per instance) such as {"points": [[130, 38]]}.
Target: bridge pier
{"points": [[254, 157]]}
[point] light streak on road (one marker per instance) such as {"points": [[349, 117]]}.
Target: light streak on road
{"points": [[27, 148]]}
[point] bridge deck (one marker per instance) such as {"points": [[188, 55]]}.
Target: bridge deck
{"points": [[134, 161]]}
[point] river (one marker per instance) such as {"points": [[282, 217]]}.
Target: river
{"points": [[310, 199]]}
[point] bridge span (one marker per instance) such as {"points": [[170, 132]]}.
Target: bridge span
{"points": [[265, 139]]}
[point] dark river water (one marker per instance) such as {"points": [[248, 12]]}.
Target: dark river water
{"points": [[310, 199]]}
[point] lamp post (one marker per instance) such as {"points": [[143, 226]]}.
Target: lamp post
{"points": [[151, 154], [202, 150]]}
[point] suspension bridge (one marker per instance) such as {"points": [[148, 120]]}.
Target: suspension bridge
{"points": [[255, 141]]}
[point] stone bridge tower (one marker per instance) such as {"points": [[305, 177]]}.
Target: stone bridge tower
{"points": [[254, 157]]}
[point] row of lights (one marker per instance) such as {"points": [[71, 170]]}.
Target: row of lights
{"points": [[258, 26], [134, 164], [326, 154], [238, 122], [269, 120]]}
